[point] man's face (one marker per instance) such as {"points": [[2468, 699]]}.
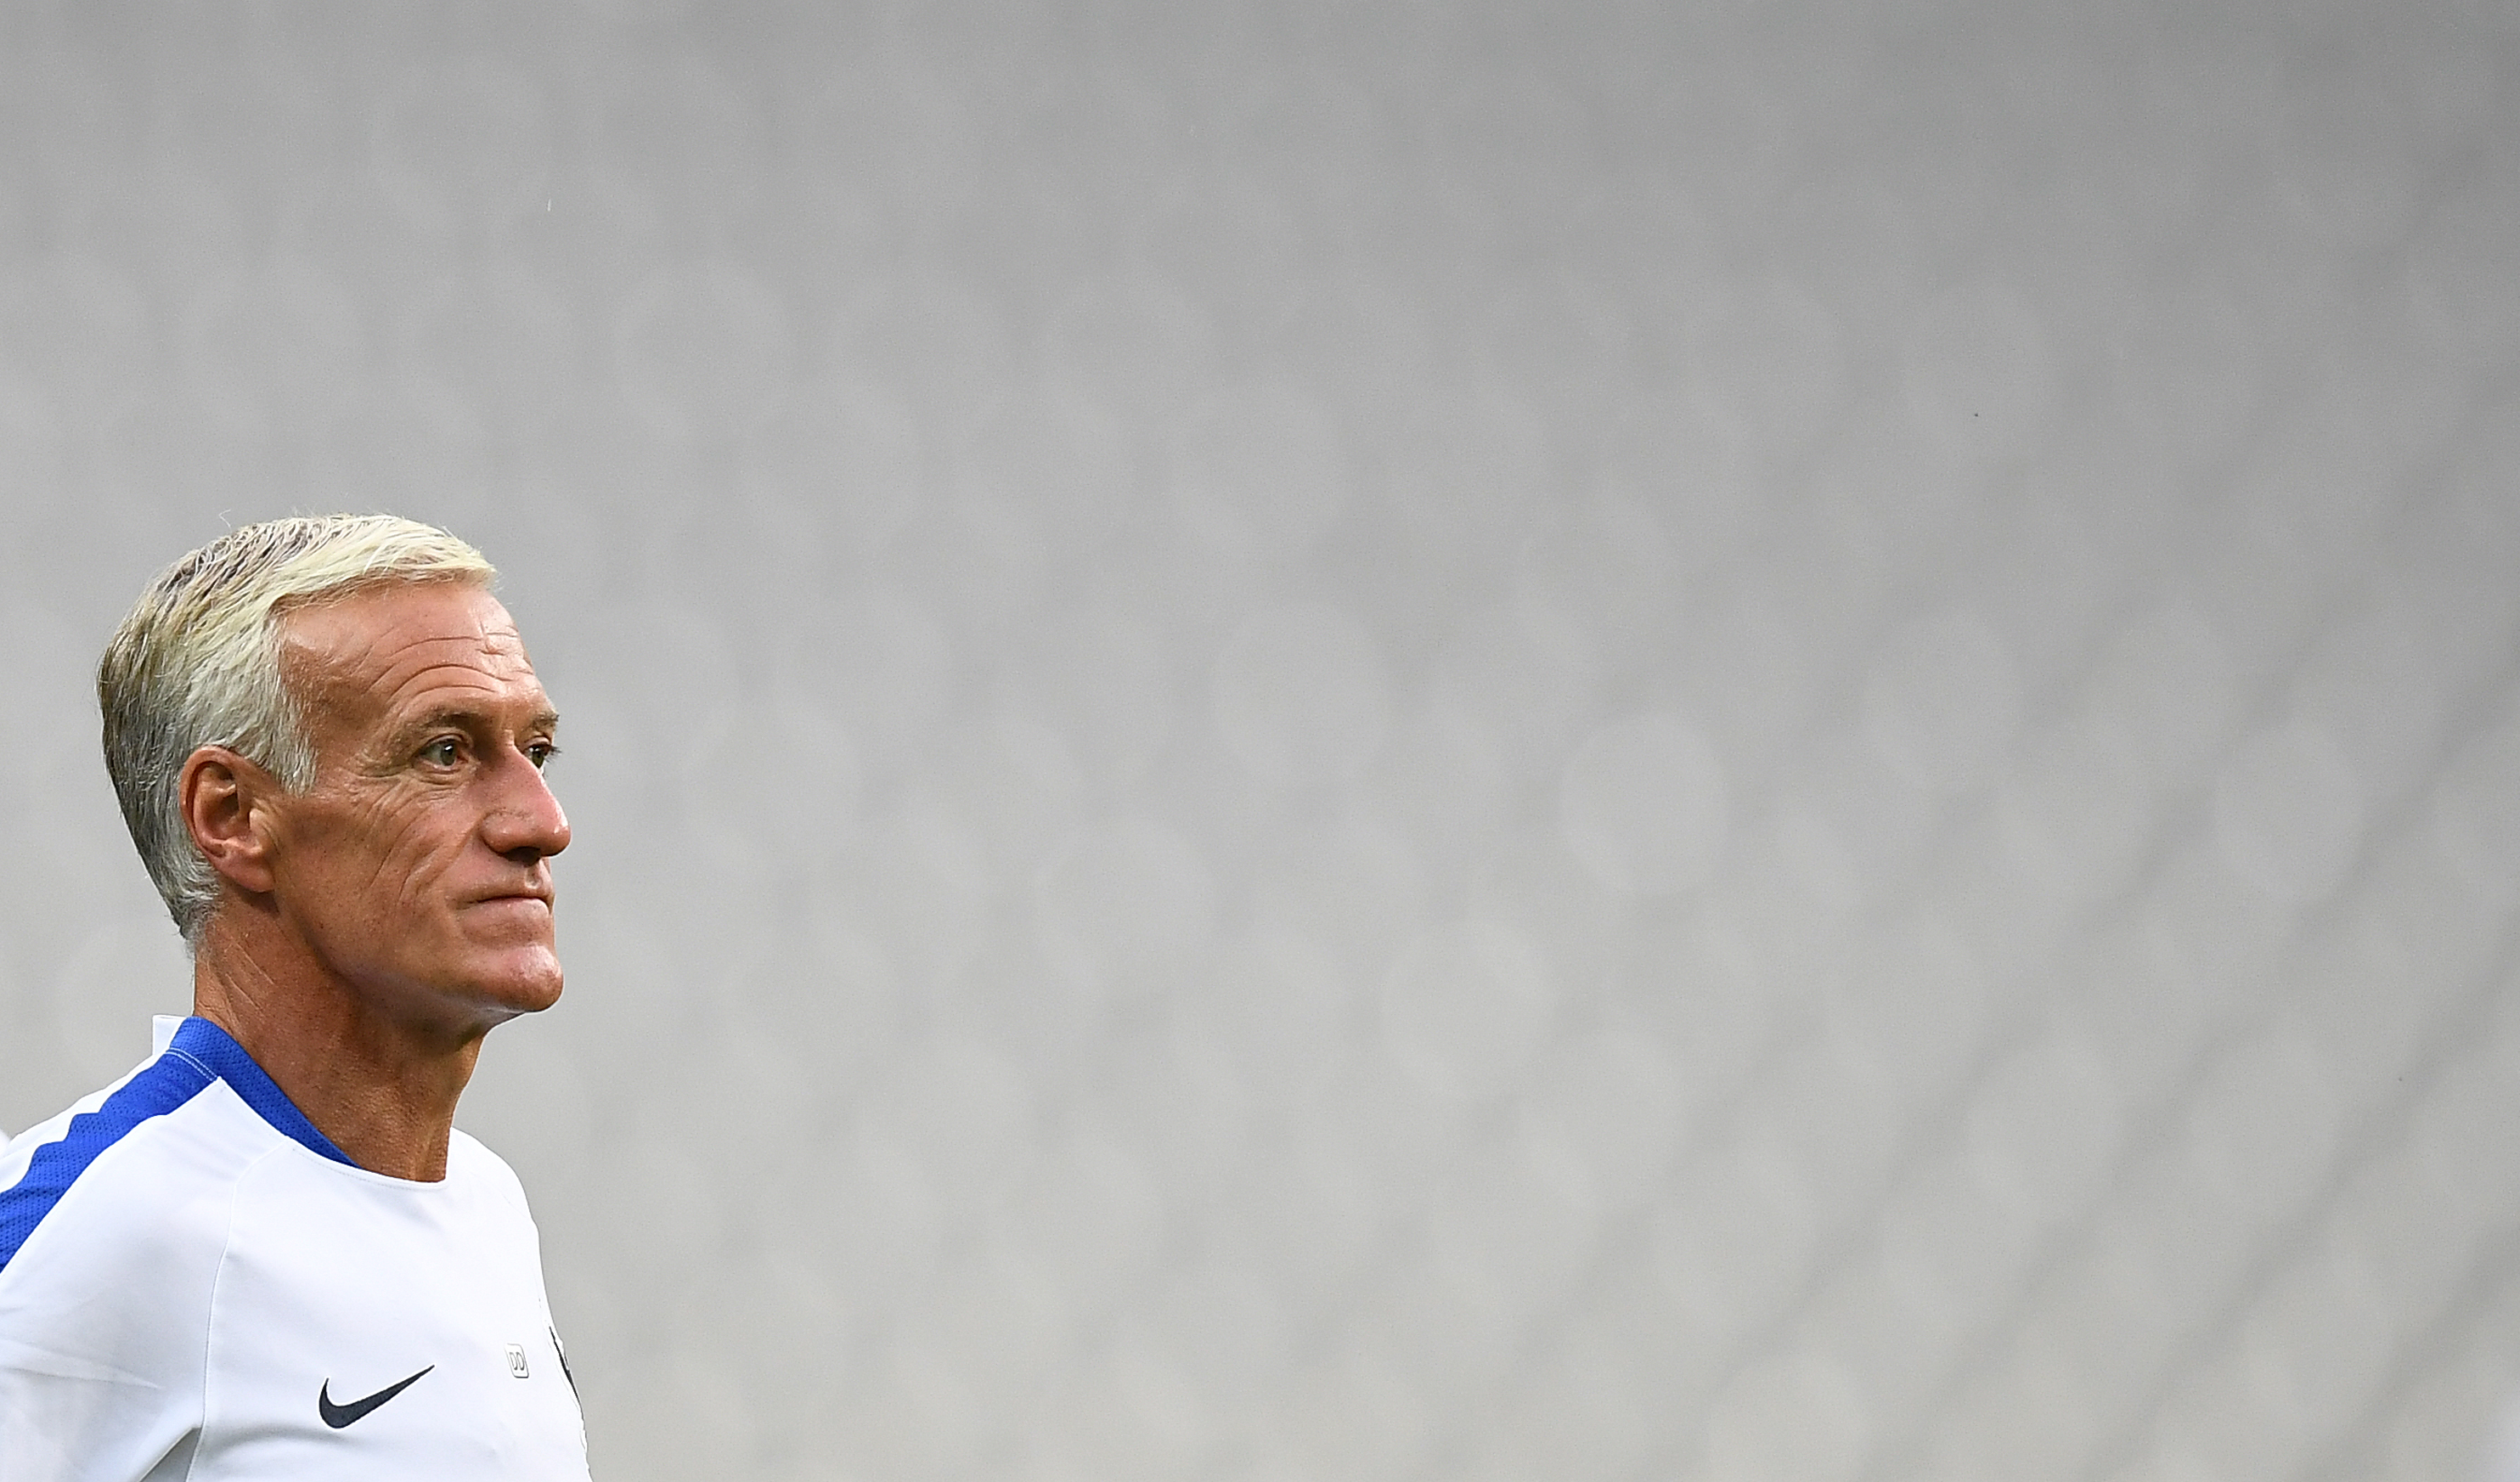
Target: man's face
{"points": [[417, 867]]}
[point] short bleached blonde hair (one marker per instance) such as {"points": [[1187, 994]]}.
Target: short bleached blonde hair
{"points": [[197, 663]]}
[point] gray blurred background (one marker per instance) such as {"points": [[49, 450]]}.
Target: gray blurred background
{"points": [[1388, 741]]}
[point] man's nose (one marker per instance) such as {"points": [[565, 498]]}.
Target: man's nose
{"points": [[524, 820]]}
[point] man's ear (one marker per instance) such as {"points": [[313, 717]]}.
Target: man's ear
{"points": [[226, 803]]}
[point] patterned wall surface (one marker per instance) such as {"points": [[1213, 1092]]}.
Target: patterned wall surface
{"points": [[1388, 741]]}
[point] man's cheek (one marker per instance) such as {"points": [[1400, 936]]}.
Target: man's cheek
{"points": [[420, 859], [409, 833]]}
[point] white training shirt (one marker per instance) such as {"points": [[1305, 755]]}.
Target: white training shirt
{"points": [[195, 1284]]}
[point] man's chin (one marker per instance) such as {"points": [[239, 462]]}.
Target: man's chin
{"points": [[532, 992], [524, 980]]}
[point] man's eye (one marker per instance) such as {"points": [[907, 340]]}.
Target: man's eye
{"points": [[443, 753], [541, 753]]}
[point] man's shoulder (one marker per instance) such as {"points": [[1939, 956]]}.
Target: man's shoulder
{"points": [[17, 1148], [115, 1229], [145, 1165], [470, 1159]]}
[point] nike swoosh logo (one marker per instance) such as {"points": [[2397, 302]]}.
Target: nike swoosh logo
{"points": [[339, 1415]]}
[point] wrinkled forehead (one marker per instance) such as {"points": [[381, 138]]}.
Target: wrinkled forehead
{"points": [[376, 654]]}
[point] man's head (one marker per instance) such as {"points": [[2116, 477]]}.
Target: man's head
{"points": [[330, 726]]}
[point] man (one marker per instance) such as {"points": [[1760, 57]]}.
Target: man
{"points": [[266, 1253]]}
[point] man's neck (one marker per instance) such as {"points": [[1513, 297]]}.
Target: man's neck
{"points": [[381, 1088]]}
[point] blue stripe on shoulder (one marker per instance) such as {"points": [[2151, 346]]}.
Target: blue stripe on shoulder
{"points": [[202, 1053], [166, 1084]]}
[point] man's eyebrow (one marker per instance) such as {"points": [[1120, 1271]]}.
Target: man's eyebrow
{"points": [[467, 718]]}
